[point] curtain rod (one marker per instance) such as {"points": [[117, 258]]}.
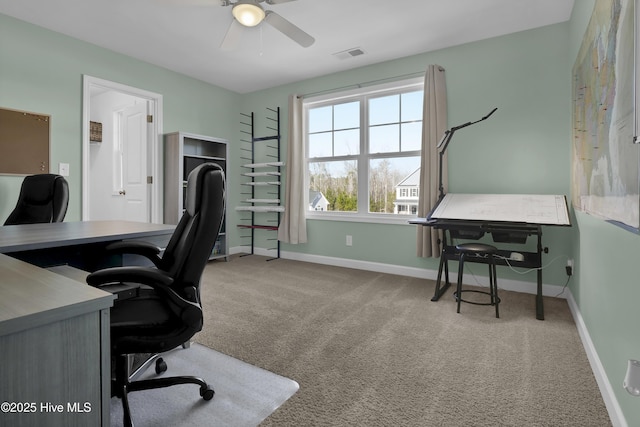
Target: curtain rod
{"points": [[369, 83]]}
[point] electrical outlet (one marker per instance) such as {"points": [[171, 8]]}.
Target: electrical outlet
{"points": [[569, 267], [349, 240]]}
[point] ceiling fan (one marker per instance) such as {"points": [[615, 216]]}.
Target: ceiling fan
{"points": [[249, 13]]}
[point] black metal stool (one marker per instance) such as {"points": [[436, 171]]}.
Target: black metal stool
{"points": [[479, 250]]}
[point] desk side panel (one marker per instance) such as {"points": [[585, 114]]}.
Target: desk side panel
{"points": [[53, 365]]}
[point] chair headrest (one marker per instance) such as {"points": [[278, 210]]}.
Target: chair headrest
{"points": [[40, 189], [194, 186]]}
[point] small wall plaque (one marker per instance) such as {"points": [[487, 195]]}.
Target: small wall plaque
{"points": [[95, 131]]}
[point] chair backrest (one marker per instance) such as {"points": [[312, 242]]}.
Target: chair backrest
{"points": [[192, 241], [43, 198]]}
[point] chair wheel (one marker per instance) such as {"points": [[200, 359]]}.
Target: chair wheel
{"points": [[207, 393], [161, 366]]}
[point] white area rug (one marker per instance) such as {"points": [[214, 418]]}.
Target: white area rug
{"points": [[245, 394]]}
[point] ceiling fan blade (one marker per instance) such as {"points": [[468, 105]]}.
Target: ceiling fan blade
{"points": [[233, 36], [288, 29], [182, 3], [277, 1]]}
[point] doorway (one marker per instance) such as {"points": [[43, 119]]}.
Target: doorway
{"points": [[122, 172]]}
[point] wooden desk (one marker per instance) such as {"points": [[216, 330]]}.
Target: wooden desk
{"points": [[54, 331], [509, 218], [79, 244], [54, 348]]}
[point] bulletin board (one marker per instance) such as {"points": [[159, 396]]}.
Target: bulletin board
{"points": [[24, 142]]}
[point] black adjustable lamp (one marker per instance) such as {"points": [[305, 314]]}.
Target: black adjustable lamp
{"points": [[444, 142]]}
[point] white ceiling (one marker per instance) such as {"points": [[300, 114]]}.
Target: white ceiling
{"points": [[185, 35]]}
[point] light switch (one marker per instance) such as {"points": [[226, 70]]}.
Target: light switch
{"points": [[63, 169]]}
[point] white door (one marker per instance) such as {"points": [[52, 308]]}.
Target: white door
{"points": [[105, 102], [131, 169]]}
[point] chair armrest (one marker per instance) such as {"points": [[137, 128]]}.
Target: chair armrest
{"points": [[143, 275], [137, 247], [188, 311]]}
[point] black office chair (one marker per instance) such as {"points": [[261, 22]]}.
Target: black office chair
{"points": [[43, 198], [165, 312]]}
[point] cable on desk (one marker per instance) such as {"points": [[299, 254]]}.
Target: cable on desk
{"points": [[531, 269], [522, 272]]}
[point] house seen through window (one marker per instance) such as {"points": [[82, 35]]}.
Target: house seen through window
{"points": [[363, 150]]}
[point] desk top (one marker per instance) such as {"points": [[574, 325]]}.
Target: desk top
{"points": [[16, 238], [545, 209], [31, 296]]}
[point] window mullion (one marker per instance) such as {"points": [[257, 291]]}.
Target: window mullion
{"points": [[333, 130], [363, 158], [400, 122]]}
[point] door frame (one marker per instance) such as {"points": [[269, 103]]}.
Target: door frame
{"points": [[155, 136]]}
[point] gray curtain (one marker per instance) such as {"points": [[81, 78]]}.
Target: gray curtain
{"points": [[434, 124], [293, 227]]}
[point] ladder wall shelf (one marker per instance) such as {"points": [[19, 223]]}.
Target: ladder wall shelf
{"points": [[261, 208]]}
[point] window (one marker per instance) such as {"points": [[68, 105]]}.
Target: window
{"points": [[363, 151]]}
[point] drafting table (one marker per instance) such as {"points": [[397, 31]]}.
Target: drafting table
{"points": [[509, 218]]}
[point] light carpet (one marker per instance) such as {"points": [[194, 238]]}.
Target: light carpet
{"points": [[244, 394], [371, 349]]}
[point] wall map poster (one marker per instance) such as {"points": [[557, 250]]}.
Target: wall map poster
{"points": [[605, 176]]}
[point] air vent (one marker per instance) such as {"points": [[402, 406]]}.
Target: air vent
{"points": [[349, 53]]}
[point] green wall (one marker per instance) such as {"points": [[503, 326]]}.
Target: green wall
{"points": [[522, 148], [41, 71], [606, 285]]}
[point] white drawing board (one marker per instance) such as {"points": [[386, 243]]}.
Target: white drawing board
{"points": [[544, 209]]}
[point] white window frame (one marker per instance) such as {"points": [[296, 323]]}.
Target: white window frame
{"points": [[363, 158]]}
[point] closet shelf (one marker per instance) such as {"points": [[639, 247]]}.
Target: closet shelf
{"points": [[276, 201], [205, 157], [261, 183], [263, 165], [260, 208], [261, 174], [260, 227]]}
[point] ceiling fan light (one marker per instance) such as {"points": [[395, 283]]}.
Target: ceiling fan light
{"points": [[248, 14]]}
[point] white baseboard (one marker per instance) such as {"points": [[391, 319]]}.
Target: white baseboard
{"points": [[615, 412], [609, 397], [423, 273]]}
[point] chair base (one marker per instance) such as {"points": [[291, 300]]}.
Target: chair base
{"points": [[121, 386]]}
